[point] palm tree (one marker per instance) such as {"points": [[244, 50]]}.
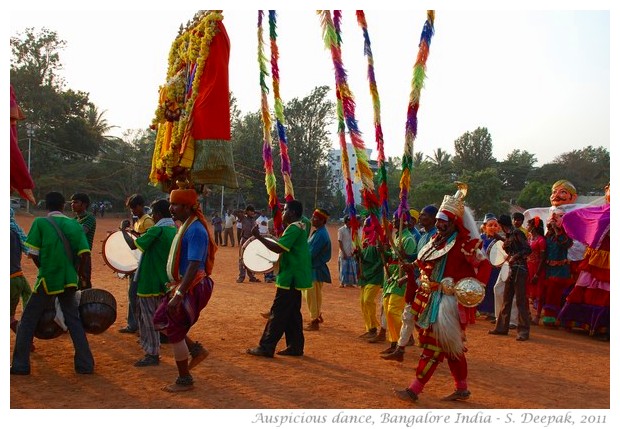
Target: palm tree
{"points": [[98, 123], [440, 159]]}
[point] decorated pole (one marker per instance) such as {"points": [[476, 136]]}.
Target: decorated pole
{"points": [[270, 178], [285, 161], [331, 39], [411, 127], [376, 105]]}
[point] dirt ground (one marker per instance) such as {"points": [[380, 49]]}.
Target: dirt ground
{"points": [[554, 370]]}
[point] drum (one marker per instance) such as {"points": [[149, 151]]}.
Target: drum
{"points": [[118, 255], [469, 291], [97, 310], [47, 328], [497, 254], [256, 257]]}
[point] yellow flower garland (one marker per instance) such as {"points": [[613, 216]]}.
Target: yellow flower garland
{"points": [[174, 110]]}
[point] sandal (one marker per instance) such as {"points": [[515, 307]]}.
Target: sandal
{"points": [[182, 383], [198, 353]]}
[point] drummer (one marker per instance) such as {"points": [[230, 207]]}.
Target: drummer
{"points": [[143, 222], [151, 284], [294, 276], [57, 278], [517, 248]]}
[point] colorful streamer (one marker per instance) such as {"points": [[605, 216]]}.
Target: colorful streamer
{"points": [[376, 104], [411, 128], [270, 178], [285, 161], [346, 112]]}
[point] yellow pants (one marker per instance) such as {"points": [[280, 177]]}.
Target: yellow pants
{"points": [[393, 306], [368, 302], [314, 298]]}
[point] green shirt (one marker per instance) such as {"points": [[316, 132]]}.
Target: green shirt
{"points": [[295, 266], [89, 224], [155, 245], [56, 271], [372, 267], [407, 243]]}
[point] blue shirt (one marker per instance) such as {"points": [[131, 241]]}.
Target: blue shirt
{"points": [[320, 253], [194, 246]]}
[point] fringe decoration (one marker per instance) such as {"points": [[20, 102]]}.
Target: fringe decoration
{"points": [[332, 40], [411, 127], [376, 104], [270, 178], [346, 116], [447, 327], [285, 162]]}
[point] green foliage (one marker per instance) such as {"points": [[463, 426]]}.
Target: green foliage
{"points": [[534, 194], [485, 192], [474, 151], [515, 169]]}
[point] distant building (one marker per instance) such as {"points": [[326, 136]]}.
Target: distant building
{"points": [[335, 166]]}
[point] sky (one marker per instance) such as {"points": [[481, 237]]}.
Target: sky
{"points": [[538, 80]]}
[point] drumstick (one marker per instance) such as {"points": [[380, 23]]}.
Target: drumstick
{"points": [[266, 259]]}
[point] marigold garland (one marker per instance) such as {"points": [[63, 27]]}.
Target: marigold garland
{"points": [[174, 147]]}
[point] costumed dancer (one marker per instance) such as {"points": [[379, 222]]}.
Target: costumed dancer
{"points": [[587, 305], [427, 220], [536, 264], [404, 251], [370, 278], [557, 280], [189, 267], [490, 227], [452, 255], [563, 197]]}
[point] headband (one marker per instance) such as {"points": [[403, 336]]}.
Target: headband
{"points": [[320, 214]]}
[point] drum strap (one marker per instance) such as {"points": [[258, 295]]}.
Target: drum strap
{"points": [[65, 242]]}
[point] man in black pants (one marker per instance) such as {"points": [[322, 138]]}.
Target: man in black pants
{"points": [[517, 248], [295, 274]]}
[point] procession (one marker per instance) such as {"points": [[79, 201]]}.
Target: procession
{"points": [[280, 304]]}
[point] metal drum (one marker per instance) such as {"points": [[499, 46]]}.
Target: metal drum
{"points": [[47, 328], [257, 257], [118, 255], [97, 310], [497, 254], [469, 291]]}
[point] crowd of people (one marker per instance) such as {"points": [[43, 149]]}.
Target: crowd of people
{"points": [[418, 264]]}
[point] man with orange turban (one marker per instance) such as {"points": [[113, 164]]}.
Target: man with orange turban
{"points": [[189, 267]]}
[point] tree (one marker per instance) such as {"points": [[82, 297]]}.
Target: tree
{"points": [[514, 170], [534, 194], [308, 122], [474, 151], [484, 192], [37, 55], [63, 131], [441, 159]]}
